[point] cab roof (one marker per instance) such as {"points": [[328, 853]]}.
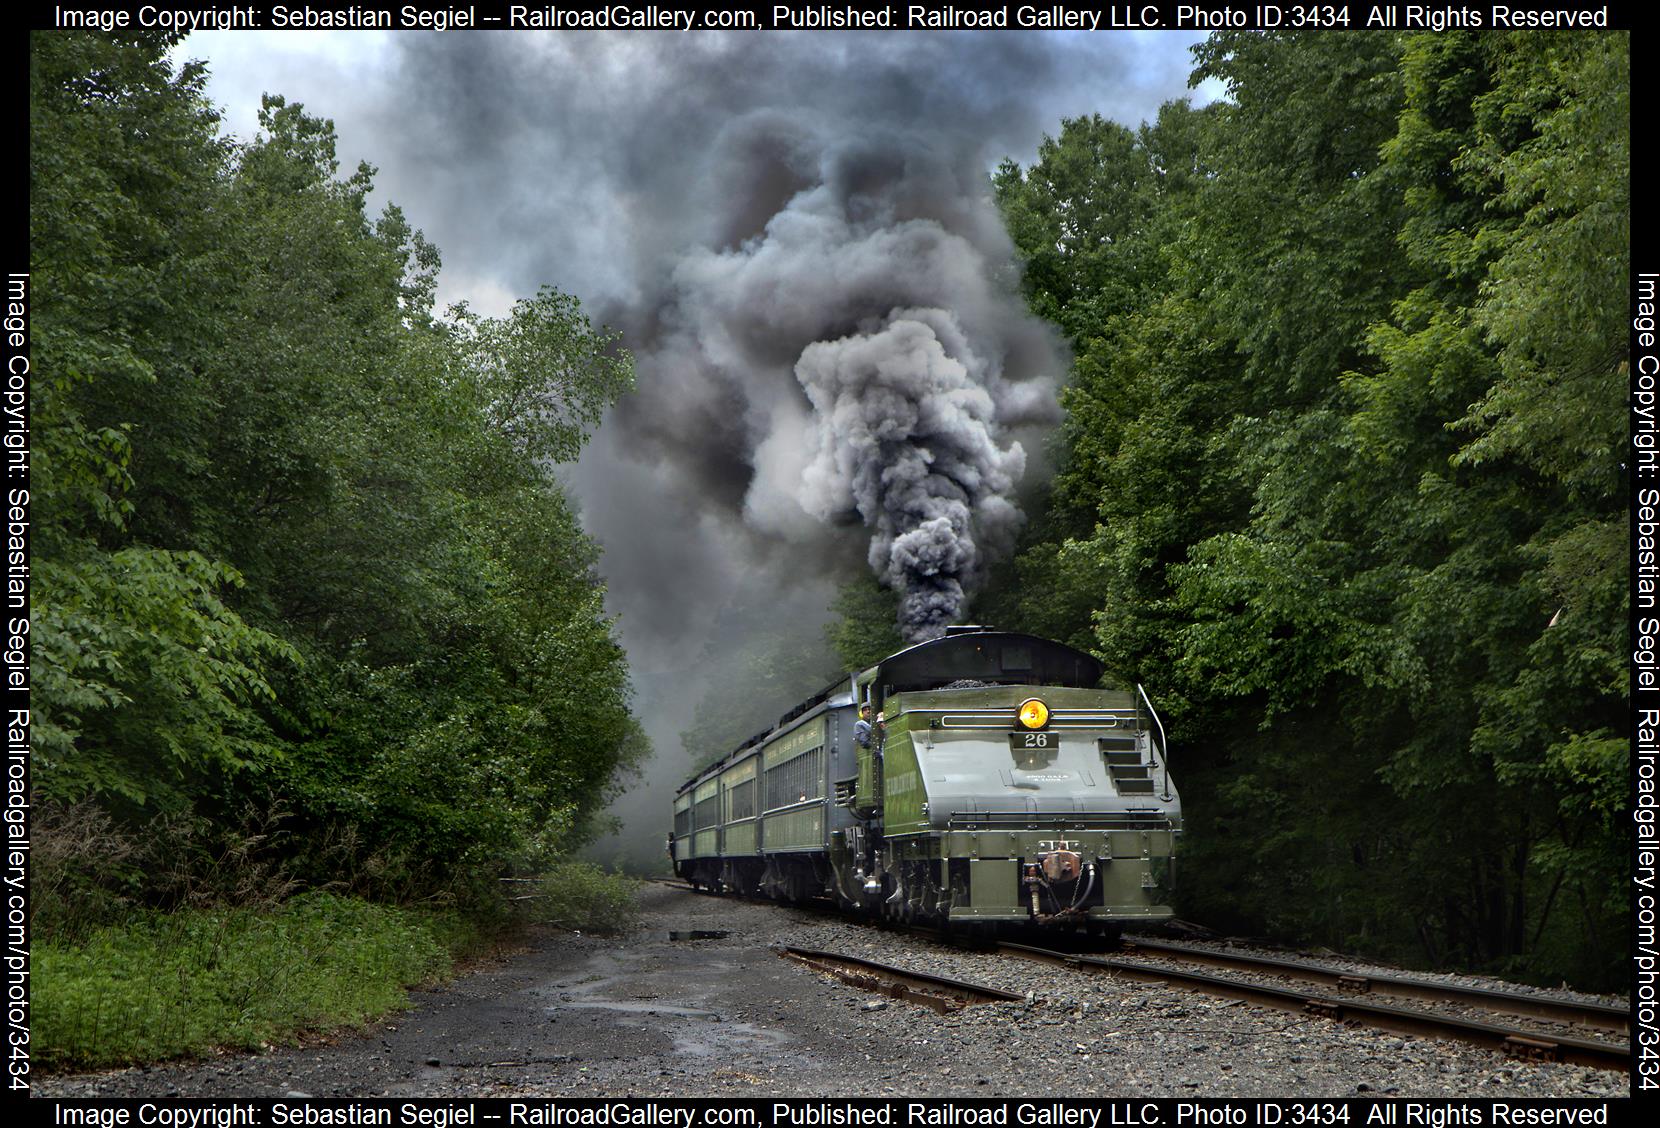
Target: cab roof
{"points": [[988, 656]]}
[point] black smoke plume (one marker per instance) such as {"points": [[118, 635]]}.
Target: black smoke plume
{"points": [[907, 419], [728, 201], [861, 353]]}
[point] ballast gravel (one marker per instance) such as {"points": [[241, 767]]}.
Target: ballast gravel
{"points": [[648, 1016]]}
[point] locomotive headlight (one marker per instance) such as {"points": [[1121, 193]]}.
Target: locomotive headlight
{"points": [[1034, 714]]}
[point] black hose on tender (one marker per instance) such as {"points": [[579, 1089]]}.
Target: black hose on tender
{"points": [[1084, 896]]}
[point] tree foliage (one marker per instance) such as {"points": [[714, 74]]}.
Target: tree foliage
{"points": [[758, 663], [1341, 477], [299, 542], [864, 629]]}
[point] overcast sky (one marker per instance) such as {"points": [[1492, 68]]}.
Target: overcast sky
{"points": [[730, 202], [497, 145]]}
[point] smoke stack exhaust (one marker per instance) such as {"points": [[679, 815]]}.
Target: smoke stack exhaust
{"points": [[907, 432], [860, 354]]}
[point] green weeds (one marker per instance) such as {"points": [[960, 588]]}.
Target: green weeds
{"points": [[162, 986], [585, 898]]}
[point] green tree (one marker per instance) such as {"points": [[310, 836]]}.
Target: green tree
{"points": [[864, 630], [301, 545], [771, 665], [145, 679], [1371, 606]]}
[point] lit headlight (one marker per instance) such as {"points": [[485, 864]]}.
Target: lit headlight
{"points": [[1034, 714]]}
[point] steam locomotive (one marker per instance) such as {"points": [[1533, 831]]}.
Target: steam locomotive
{"points": [[1003, 787]]}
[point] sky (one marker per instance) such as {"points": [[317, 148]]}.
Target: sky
{"points": [[794, 234]]}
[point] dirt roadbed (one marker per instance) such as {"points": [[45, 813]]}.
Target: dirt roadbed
{"points": [[649, 1016]]}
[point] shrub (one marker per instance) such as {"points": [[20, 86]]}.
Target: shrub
{"points": [[583, 897], [163, 986]]}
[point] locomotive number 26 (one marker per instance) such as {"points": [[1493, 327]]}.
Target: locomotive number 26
{"points": [[1023, 740]]}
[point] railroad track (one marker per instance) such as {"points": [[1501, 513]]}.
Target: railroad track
{"points": [[1595, 1016], [1565, 1045], [934, 991], [1517, 1042]]}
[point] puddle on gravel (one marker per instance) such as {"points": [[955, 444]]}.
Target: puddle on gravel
{"points": [[636, 1006], [712, 1040], [705, 1035]]}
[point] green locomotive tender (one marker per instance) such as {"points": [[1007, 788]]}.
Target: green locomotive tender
{"points": [[1004, 787]]}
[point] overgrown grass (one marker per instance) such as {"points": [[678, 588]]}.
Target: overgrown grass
{"points": [[121, 984], [169, 985], [583, 897]]}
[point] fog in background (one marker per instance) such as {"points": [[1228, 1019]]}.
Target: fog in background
{"points": [[794, 233]]}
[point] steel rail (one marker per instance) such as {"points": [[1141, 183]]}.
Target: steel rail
{"points": [[1533, 1044], [934, 991], [1517, 1043], [1602, 1016]]}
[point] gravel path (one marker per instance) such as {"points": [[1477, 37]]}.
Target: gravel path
{"points": [[650, 1016]]}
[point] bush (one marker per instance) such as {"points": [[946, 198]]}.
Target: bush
{"points": [[90, 870], [168, 985], [583, 897], [83, 874]]}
